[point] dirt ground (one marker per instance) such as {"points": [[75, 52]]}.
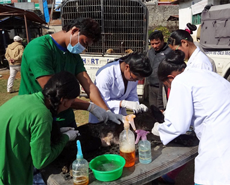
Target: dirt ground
{"points": [[6, 72]]}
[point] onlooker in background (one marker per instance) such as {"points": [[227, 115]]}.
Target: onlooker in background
{"points": [[156, 54], [117, 83], [13, 55], [50, 54]]}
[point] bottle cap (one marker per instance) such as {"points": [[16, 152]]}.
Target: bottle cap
{"points": [[142, 134], [79, 151]]}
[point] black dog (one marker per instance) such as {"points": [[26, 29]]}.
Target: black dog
{"points": [[94, 137]]}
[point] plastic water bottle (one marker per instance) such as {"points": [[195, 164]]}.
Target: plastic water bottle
{"points": [[127, 145], [80, 168], [145, 155]]}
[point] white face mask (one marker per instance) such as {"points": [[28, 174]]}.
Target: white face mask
{"points": [[76, 49]]}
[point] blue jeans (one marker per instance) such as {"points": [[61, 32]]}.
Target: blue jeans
{"points": [[37, 179]]}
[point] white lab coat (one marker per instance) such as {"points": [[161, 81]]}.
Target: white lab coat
{"points": [[210, 59], [201, 98], [199, 60], [111, 86]]}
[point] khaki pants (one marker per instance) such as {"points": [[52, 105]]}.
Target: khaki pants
{"points": [[13, 71]]}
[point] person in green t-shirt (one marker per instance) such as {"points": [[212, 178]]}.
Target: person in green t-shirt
{"points": [[27, 137], [50, 54]]}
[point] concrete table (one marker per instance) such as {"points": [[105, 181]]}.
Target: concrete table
{"points": [[165, 159]]}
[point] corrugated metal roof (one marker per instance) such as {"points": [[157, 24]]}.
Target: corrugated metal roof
{"points": [[12, 22], [6, 11]]}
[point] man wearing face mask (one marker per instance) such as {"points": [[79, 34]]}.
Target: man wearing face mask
{"points": [[50, 54]]}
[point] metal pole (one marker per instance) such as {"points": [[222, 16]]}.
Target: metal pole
{"points": [[102, 28], [27, 36], [51, 12]]}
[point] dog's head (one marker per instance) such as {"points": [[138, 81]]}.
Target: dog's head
{"points": [[109, 51], [146, 120], [128, 51]]}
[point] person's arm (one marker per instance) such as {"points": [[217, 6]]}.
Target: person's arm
{"points": [[91, 90], [19, 57], [78, 103], [104, 83], [97, 111], [43, 80], [179, 113], [7, 55], [42, 152]]}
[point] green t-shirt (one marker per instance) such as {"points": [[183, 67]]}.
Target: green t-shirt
{"points": [[26, 125], [42, 57]]}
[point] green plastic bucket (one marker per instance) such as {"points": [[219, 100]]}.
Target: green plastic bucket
{"points": [[107, 167]]}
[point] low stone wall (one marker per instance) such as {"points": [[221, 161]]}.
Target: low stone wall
{"points": [[158, 15]]}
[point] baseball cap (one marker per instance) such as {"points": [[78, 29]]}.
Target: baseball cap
{"points": [[17, 38]]}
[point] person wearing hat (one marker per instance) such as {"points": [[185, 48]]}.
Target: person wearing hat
{"points": [[13, 55]]}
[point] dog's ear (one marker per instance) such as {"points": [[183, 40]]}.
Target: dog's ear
{"points": [[157, 114]]}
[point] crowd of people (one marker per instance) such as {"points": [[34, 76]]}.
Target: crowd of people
{"points": [[180, 80]]}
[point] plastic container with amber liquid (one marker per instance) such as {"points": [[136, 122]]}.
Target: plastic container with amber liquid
{"points": [[127, 145], [80, 168]]}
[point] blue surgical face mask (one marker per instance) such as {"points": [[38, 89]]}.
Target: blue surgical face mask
{"points": [[76, 49]]}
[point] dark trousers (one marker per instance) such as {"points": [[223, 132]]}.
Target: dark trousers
{"points": [[150, 95]]}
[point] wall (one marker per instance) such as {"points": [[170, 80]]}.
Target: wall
{"points": [[158, 15], [185, 14], [25, 5]]}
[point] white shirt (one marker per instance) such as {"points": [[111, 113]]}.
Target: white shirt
{"points": [[201, 98], [210, 59], [199, 60], [111, 86]]}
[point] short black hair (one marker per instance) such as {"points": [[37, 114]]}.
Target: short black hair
{"points": [[87, 26], [156, 35], [174, 61], [139, 64]]}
